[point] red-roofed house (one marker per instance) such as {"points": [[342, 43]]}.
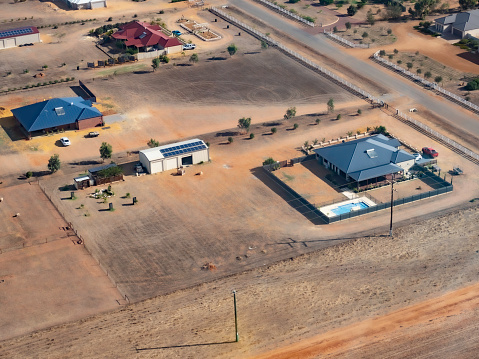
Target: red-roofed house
{"points": [[147, 37]]}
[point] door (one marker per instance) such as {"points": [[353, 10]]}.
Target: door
{"points": [[186, 161], [171, 163]]}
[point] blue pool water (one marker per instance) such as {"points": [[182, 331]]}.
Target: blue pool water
{"points": [[346, 208]]}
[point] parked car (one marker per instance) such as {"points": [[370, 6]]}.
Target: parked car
{"points": [[93, 134], [138, 167], [430, 152], [189, 46], [65, 141], [417, 157], [176, 33]]}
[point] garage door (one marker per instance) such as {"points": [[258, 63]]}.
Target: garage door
{"points": [[171, 163], [9, 43], [97, 4], [1, 44]]}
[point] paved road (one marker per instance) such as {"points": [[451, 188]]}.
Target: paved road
{"points": [[452, 113]]}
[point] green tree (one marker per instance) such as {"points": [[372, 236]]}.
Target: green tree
{"points": [[269, 161], [371, 20], [395, 51], [393, 11], [295, 126], [365, 34], [389, 31], [153, 143], [54, 163], [232, 49], [194, 58], [438, 79], [330, 105], [427, 74], [251, 136], [264, 45], [359, 112], [105, 150], [244, 123], [422, 8], [473, 85], [230, 139], [348, 25], [418, 71], [318, 121], [467, 4], [338, 117], [382, 52], [155, 63], [352, 10], [290, 113], [409, 65], [274, 130], [381, 129]]}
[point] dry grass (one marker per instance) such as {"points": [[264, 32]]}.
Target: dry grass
{"points": [[377, 35]]}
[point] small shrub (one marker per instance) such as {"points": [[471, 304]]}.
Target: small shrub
{"points": [[29, 174], [230, 139], [295, 126], [274, 130], [318, 120], [251, 136]]}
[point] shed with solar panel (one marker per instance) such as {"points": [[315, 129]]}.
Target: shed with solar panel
{"points": [[175, 155], [18, 37]]}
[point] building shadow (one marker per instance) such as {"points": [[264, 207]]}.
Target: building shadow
{"points": [[289, 198], [12, 128], [184, 346], [60, 4], [469, 57], [80, 92]]}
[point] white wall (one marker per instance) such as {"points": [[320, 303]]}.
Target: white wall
{"points": [[172, 163], [406, 165]]}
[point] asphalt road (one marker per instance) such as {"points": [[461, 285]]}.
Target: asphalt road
{"points": [[398, 87]]}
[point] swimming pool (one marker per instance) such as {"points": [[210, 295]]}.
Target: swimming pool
{"points": [[348, 207]]}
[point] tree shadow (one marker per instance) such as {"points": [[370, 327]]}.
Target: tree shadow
{"points": [[142, 72], [185, 346], [84, 163], [226, 134], [216, 58]]}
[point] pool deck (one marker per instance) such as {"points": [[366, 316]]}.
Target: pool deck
{"points": [[328, 210]]}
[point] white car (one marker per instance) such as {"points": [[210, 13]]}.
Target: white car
{"points": [[189, 46], [417, 157], [65, 141]]}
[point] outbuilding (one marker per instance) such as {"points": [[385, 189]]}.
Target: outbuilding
{"points": [[19, 37], [86, 4], [175, 155]]}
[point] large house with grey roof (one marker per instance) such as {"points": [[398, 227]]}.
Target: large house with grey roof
{"points": [[461, 24], [367, 160], [67, 113]]}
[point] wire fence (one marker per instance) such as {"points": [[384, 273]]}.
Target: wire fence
{"points": [[344, 41], [355, 89], [297, 56], [425, 82], [286, 12]]}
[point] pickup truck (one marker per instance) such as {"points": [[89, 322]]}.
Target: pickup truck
{"points": [[429, 151], [93, 134]]}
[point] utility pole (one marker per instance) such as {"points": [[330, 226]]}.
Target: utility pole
{"points": [[236, 316], [392, 205]]}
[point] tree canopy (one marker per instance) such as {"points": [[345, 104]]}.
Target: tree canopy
{"points": [[105, 150], [54, 163]]}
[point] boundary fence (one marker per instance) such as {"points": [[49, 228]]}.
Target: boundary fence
{"points": [[81, 240], [344, 41], [286, 12], [467, 104], [310, 210], [453, 145]]}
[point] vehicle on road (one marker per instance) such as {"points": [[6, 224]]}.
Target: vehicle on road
{"points": [[65, 141], [189, 46], [457, 171], [417, 157], [176, 33], [430, 152], [93, 134]]}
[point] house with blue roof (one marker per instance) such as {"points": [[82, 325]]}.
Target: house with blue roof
{"points": [[367, 160], [67, 113]]}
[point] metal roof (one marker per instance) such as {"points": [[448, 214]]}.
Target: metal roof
{"points": [[174, 149], [54, 112], [463, 21], [81, 2], [27, 30], [367, 157]]}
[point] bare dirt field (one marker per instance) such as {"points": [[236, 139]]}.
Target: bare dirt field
{"points": [[331, 289], [403, 189], [52, 280]]}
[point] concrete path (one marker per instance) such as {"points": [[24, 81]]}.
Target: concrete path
{"points": [[398, 87]]}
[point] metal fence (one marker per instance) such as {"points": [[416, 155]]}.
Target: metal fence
{"points": [[296, 55], [286, 12], [311, 210], [344, 41], [439, 136], [430, 84], [350, 86]]}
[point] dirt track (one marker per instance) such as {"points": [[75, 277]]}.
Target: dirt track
{"points": [[326, 290]]}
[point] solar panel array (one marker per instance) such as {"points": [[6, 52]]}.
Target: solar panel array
{"points": [[24, 31], [181, 149]]}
